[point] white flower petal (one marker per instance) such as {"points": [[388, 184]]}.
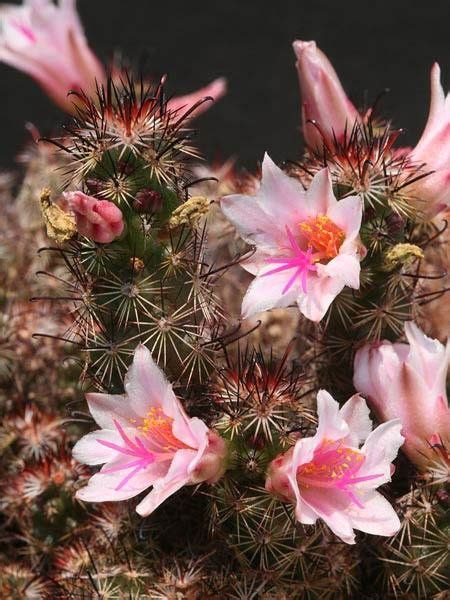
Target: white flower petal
{"points": [[321, 198], [347, 215], [345, 268], [356, 413], [266, 292], [107, 408], [145, 383], [380, 449], [377, 517], [89, 451], [331, 506], [332, 424], [320, 293], [177, 476], [282, 197]]}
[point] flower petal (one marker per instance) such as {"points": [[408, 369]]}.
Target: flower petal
{"points": [[377, 517], [356, 413], [215, 90], [331, 423], [428, 358], [321, 198], [145, 383], [320, 294], [90, 452], [323, 97], [282, 197], [106, 487], [199, 434], [303, 453], [380, 449], [252, 223], [177, 476], [262, 219], [344, 267], [266, 292], [147, 386], [46, 40], [331, 505], [107, 408], [347, 215]]}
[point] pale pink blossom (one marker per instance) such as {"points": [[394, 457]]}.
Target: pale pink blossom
{"points": [[324, 100], [98, 220], [408, 381], [328, 476], [307, 243], [47, 41], [433, 153], [146, 440]]}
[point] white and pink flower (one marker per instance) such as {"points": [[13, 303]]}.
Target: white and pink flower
{"points": [[146, 440], [47, 41], [408, 381], [307, 243], [98, 220], [433, 153], [328, 476], [326, 111]]}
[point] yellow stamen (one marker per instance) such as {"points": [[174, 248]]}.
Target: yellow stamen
{"points": [[323, 236]]}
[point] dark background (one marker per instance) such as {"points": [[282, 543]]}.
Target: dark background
{"points": [[373, 45]]}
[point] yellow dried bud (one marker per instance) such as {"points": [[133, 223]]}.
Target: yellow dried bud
{"points": [[401, 254], [60, 225], [190, 212]]}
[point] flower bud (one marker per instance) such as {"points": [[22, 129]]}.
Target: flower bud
{"points": [[98, 220], [323, 98], [147, 201], [408, 381]]}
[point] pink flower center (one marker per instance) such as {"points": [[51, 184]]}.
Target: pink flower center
{"points": [[157, 427], [298, 260], [157, 444], [333, 466], [322, 239]]}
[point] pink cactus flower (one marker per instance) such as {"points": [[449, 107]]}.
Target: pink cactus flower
{"points": [[146, 440], [328, 476], [47, 41], [407, 381], [433, 152], [307, 243], [323, 98], [98, 220]]}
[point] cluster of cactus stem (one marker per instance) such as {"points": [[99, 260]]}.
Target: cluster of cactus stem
{"points": [[152, 285], [160, 284], [395, 236]]}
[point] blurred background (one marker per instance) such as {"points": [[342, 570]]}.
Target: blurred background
{"points": [[373, 45]]}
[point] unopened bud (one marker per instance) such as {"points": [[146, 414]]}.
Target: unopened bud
{"points": [[148, 201]]}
